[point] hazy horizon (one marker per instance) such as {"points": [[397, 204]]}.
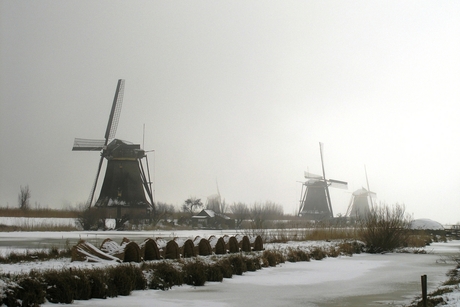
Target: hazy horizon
{"points": [[239, 93]]}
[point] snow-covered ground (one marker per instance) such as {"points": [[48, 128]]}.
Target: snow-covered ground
{"points": [[34, 222], [361, 280]]}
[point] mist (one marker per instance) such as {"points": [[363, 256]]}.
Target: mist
{"points": [[236, 95]]}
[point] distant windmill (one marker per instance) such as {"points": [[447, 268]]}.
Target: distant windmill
{"points": [[214, 202], [361, 202], [125, 179], [315, 201]]}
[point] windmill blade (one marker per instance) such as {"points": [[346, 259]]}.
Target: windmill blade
{"points": [[312, 176], [115, 111], [87, 145], [324, 176], [338, 184], [371, 196], [350, 204], [152, 191], [303, 196], [367, 180], [93, 189], [146, 184], [217, 185]]}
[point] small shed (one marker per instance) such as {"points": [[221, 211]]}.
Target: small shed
{"points": [[209, 219]]}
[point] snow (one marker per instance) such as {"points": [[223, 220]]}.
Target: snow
{"points": [[360, 280], [35, 222], [453, 298]]}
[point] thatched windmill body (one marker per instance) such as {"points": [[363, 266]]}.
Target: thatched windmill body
{"points": [[125, 182], [361, 202], [315, 200]]}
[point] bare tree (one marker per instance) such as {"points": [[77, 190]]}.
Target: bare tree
{"points": [[260, 212], [24, 197], [163, 212], [191, 204], [273, 210], [240, 212], [121, 221], [257, 215], [223, 206], [92, 218], [88, 219]]}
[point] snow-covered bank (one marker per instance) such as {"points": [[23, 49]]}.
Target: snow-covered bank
{"points": [[362, 280], [30, 222]]}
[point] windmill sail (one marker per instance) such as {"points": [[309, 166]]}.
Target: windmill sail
{"points": [[338, 184], [88, 145], [309, 175], [115, 111], [315, 201]]}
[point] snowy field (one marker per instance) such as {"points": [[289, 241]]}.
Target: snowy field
{"points": [[34, 222], [361, 280]]}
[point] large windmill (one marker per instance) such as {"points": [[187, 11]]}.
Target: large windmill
{"points": [[315, 200], [126, 182], [361, 202]]}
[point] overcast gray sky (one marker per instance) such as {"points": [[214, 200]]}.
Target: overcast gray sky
{"points": [[238, 92]]}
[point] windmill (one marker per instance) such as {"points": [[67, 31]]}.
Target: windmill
{"points": [[214, 201], [315, 200], [361, 201], [125, 179]]}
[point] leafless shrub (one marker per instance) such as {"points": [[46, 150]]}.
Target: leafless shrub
{"points": [[297, 254], [240, 212], [384, 228], [92, 219], [163, 212], [24, 198], [260, 212]]}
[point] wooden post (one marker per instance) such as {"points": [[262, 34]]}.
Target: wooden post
{"points": [[424, 291]]}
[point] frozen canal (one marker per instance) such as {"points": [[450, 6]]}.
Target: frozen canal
{"points": [[361, 280]]}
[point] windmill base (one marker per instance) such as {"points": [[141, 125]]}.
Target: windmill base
{"points": [[137, 213], [315, 216]]}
